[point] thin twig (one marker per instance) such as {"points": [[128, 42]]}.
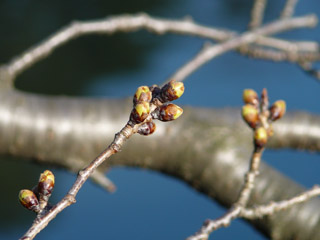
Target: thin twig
{"points": [[225, 220], [148, 105], [70, 197], [257, 13], [248, 37], [249, 180], [273, 207], [289, 8]]}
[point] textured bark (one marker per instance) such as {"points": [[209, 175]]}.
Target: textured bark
{"points": [[208, 149]]}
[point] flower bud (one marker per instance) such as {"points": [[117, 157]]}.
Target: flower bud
{"points": [[172, 91], [46, 183], [250, 97], [277, 110], [169, 112], [260, 137], [250, 115], [29, 200], [140, 112], [143, 94], [147, 128]]}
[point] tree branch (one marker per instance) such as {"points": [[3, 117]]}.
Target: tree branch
{"points": [[288, 9], [128, 23], [248, 37], [37, 119], [257, 13]]}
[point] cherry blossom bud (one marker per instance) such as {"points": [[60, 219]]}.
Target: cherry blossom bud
{"points": [[260, 137], [147, 128], [250, 115], [46, 183], [250, 97], [277, 110], [169, 112], [143, 94], [172, 91], [29, 200], [140, 112]]}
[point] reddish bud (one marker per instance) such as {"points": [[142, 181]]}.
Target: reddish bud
{"points": [[169, 112], [29, 200], [250, 97], [147, 128], [143, 94], [250, 115], [46, 183], [277, 110], [171, 91]]}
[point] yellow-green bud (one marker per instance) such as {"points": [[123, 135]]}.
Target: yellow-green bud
{"points": [[250, 97], [277, 110], [172, 91], [169, 112], [29, 200], [143, 94], [250, 115], [140, 112], [46, 183], [260, 137]]}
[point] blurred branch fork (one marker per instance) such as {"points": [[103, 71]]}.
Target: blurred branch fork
{"points": [[29, 120]]}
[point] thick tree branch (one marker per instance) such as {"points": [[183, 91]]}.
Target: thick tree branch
{"points": [[28, 120]]}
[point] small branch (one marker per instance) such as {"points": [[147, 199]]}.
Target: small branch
{"points": [[261, 120], [273, 207], [248, 37], [98, 177], [70, 198], [289, 8], [253, 213], [257, 13], [148, 104], [211, 225]]}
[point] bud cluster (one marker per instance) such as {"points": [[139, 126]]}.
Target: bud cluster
{"points": [[255, 111], [145, 96], [37, 199]]}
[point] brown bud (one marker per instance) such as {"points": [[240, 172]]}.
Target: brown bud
{"points": [[143, 94], [277, 110], [147, 128], [250, 97], [46, 183], [250, 115], [169, 112], [171, 91], [29, 200], [140, 112], [260, 137]]}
